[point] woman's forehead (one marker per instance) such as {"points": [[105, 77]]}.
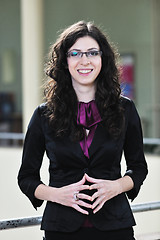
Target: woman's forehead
{"points": [[85, 43]]}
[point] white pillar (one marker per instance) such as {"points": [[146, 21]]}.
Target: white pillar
{"points": [[156, 68], [32, 55]]}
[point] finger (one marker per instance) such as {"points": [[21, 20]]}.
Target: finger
{"points": [[82, 187], [90, 179], [82, 181], [98, 207], [79, 209], [94, 186], [84, 196], [97, 202], [95, 195], [84, 204]]}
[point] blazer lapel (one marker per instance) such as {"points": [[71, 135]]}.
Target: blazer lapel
{"points": [[76, 147], [98, 139]]}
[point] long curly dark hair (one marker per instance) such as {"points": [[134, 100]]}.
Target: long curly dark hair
{"points": [[60, 95]]}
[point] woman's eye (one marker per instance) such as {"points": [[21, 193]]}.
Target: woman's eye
{"points": [[74, 54], [93, 53]]}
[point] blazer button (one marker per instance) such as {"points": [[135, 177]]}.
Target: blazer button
{"points": [[86, 170]]}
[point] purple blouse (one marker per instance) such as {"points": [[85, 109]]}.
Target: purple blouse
{"points": [[88, 116]]}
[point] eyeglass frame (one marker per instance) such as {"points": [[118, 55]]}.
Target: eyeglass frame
{"points": [[86, 53]]}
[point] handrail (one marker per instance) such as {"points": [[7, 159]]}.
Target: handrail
{"points": [[9, 135], [143, 207], [151, 141], [20, 222], [33, 221]]}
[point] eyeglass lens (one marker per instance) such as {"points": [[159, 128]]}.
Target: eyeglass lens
{"points": [[79, 54]]}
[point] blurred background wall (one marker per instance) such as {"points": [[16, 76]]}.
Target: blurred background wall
{"points": [[28, 28]]}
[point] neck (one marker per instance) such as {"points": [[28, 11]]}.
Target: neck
{"points": [[85, 93]]}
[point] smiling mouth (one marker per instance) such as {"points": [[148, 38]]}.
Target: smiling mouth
{"points": [[85, 71]]}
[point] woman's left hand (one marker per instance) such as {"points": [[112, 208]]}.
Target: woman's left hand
{"points": [[106, 189]]}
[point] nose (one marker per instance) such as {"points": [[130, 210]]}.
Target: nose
{"points": [[84, 60]]}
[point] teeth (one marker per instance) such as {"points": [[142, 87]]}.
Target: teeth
{"points": [[84, 71]]}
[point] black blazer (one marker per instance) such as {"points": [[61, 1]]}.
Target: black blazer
{"points": [[68, 165]]}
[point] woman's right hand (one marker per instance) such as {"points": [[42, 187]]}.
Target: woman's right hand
{"points": [[65, 196]]}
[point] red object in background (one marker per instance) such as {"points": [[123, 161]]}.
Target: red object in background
{"points": [[127, 76]]}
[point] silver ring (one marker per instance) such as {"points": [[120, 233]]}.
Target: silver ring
{"points": [[76, 198]]}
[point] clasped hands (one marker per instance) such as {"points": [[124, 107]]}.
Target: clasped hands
{"points": [[71, 195]]}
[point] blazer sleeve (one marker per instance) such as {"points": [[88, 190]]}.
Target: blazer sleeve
{"points": [[133, 151], [33, 152]]}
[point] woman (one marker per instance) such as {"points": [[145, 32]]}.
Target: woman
{"points": [[84, 127]]}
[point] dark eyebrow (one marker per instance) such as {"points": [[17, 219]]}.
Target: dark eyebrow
{"points": [[78, 50], [90, 49]]}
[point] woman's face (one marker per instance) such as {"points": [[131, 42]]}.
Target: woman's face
{"points": [[84, 69]]}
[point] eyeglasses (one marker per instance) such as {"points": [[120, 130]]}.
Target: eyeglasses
{"points": [[78, 54]]}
